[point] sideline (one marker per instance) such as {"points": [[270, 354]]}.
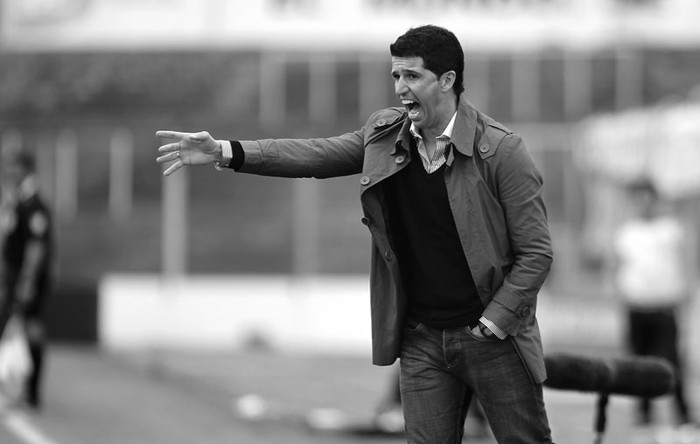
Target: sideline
{"points": [[21, 426]]}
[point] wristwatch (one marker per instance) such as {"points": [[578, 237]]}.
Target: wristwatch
{"points": [[226, 155], [485, 331]]}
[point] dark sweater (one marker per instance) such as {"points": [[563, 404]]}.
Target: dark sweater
{"points": [[439, 285]]}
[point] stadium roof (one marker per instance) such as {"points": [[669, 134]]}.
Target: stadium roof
{"points": [[68, 25]]}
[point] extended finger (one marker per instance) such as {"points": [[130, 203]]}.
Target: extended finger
{"points": [[167, 134], [172, 168], [169, 147], [174, 155]]}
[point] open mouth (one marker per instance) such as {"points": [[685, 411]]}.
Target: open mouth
{"points": [[412, 106]]}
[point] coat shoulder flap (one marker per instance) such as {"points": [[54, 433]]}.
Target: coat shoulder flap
{"points": [[491, 136], [383, 120]]}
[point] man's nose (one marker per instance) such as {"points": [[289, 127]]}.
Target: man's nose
{"points": [[400, 87]]}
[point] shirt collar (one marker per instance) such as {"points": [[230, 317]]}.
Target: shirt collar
{"points": [[463, 133], [447, 132]]}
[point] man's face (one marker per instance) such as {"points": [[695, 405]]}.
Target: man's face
{"points": [[419, 91]]}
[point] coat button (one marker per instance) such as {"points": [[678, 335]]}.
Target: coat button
{"points": [[484, 148], [365, 180], [525, 312], [400, 159], [388, 255], [365, 221]]}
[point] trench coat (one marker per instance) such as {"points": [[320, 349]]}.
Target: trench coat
{"points": [[495, 194]]}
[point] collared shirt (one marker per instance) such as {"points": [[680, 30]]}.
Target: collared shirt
{"points": [[441, 143], [433, 164]]}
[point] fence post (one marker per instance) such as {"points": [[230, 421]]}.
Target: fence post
{"points": [[66, 175], [174, 234], [121, 150]]}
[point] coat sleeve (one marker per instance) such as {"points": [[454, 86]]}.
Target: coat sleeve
{"points": [[320, 157], [519, 187]]}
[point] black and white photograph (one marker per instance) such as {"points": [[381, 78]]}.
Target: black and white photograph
{"points": [[358, 221]]}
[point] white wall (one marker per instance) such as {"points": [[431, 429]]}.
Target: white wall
{"points": [[328, 314]]}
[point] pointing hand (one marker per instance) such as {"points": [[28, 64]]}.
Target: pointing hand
{"points": [[187, 149]]}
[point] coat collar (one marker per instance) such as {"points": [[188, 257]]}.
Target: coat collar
{"points": [[463, 133]]}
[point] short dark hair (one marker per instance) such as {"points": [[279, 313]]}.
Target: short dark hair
{"points": [[28, 160], [438, 47]]}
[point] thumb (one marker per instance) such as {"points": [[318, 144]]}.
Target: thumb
{"points": [[200, 137]]}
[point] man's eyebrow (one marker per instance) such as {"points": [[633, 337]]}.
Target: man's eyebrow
{"points": [[404, 70]]}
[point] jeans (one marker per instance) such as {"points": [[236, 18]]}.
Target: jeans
{"points": [[442, 369]]}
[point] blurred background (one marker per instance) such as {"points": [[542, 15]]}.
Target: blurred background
{"points": [[198, 260]]}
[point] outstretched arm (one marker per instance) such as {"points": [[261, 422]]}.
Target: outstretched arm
{"points": [[188, 149], [319, 157]]}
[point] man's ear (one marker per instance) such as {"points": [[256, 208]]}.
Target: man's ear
{"points": [[447, 80]]}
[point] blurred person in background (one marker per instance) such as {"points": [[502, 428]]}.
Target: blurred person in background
{"points": [[25, 227], [461, 244], [654, 273]]}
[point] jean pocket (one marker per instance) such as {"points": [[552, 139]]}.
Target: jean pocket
{"points": [[411, 325], [481, 338]]}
